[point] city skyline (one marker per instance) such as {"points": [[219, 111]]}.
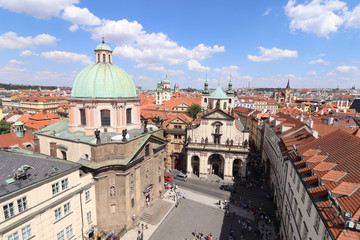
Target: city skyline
{"points": [[312, 43]]}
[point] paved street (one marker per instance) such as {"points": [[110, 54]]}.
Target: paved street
{"points": [[200, 212], [192, 215]]}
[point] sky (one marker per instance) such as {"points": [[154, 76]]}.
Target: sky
{"points": [[256, 43]]}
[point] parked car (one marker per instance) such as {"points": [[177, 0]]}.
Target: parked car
{"points": [[227, 188], [167, 178], [181, 177]]}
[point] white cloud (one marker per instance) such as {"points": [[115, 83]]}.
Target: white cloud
{"points": [[290, 76], [80, 16], [148, 48], [10, 40], [27, 53], [317, 16], [331, 74], [270, 54], [11, 70], [312, 73], [14, 61], [37, 8], [321, 61], [267, 12], [346, 69], [73, 28], [195, 66], [62, 56], [353, 18]]}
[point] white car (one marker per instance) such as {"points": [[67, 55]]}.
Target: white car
{"points": [[181, 177]]}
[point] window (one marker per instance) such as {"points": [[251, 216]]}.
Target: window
{"points": [[306, 231], [26, 232], [230, 100], [303, 195], [147, 151], [217, 139], [88, 216], [58, 213], [205, 100], [128, 116], [87, 195], [55, 188], [295, 207], [14, 236], [105, 117], [60, 236], [132, 202], [98, 57], [317, 223], [9, 210], [67, 208], [22, 204], [299, 219], [69, 232], [326, 235], [104, 57], [224, 105], [64, 184], [112, 192], [298, 185], [308, 210], [82, 117], [64, 155]]}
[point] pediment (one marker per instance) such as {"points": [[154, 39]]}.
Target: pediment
{"points": [[218, 114]]}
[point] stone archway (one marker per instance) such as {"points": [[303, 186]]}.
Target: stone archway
{"points": [[216, 162], [195, 165], [237, 163]]}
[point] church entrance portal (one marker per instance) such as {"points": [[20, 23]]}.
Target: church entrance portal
{"points": [[195, 161], [216, 162]]}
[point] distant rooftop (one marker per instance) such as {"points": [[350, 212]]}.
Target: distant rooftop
{"points": [[42, 169]]}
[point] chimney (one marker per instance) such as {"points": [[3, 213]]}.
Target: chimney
{"points": [[36, 144], [53, 149]]}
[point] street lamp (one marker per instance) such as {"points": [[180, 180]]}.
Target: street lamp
{"points": [[142, 231]]}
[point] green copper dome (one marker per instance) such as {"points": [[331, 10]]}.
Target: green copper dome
{"points": [[103, 80], [218, 94], [166, 80], [103, 46]]}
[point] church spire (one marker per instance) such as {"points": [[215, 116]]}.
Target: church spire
{"points": [[288, 84]]}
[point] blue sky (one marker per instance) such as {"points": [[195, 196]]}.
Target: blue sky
{"points": [[263, 43]]}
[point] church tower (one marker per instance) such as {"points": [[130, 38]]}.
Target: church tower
{"points": [[205, 96], [288, 94]]}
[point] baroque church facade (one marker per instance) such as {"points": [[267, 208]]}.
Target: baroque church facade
{"points": [[217, 141], [105, 136]]}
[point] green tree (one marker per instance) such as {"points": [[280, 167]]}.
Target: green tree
{"points": [[4, 127], [280, 106], [193, 110]]}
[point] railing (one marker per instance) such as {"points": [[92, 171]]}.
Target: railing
{"points": [[217, 146]]}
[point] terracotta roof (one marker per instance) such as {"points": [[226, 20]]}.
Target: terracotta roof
{"points": [[317, 158], [346, 188], [310, 152], [333, 176], [10, 140], [323, 166]]}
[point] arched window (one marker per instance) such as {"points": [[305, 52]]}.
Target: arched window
{"points": [[98, 57], [82, 117], [224, 105], [105, 117], [104, 57], [229, 100], [109, 58], [128, 116], [205, 100]]}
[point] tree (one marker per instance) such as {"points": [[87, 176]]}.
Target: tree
{"points": [[4, 127], [193, 110], [280, 106]]}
